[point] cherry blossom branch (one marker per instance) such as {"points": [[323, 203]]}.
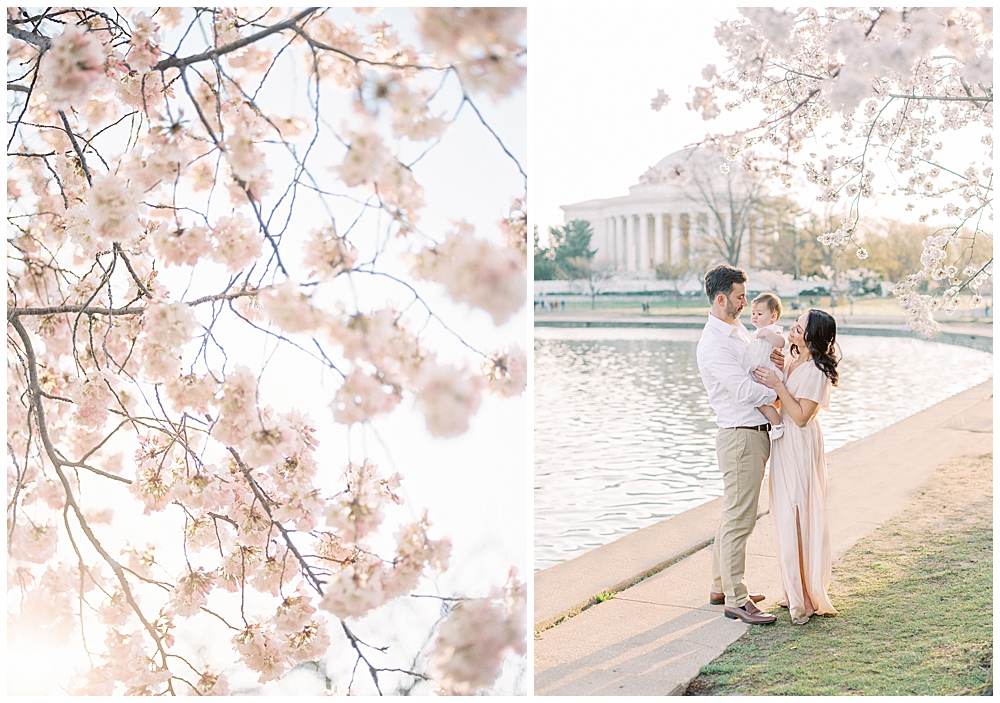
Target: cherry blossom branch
{"points": [[214, 54], [265, 503], [76, 146], [503, 146], [315, 43], [58, 463], [943, 98], [38, 40]]}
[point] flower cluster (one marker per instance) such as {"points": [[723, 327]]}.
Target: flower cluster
{"points": [[466, 659], [73, 66], [485, 44], [475, 271]]}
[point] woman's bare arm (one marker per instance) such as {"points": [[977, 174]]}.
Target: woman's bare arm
{"points": [[800, 410]]}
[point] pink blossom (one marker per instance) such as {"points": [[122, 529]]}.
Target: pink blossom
{"points": [[366, 158], [238, 242], [362, 397], [73, 67], [237, 407], [448, 397], [113, 209], [482, 43], [358, 510], [473, 640], [166, 328], [326, 255], [192, 592], [355, 590], [309, 643], [475, 271], [91, 396], [192, 392], [273, 572], [145, 52], [211, 684], [261, 651], [183, 246], [289, 308], [295, 611], [33, 543], [507, 372], [116, 612]]}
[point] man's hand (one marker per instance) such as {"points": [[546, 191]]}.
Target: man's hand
{"points": [[778, 359]]}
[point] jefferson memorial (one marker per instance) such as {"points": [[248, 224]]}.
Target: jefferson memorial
{"points": [[665, 217]]}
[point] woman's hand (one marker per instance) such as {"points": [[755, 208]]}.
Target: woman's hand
{"points": [[767, 377]]}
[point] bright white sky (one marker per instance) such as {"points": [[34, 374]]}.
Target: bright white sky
{"points": [[593, 75]]}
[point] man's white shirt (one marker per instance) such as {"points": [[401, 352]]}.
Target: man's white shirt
{"points": [[733, 395]]}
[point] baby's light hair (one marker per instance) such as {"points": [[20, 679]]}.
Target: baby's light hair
{"points": [[771, 299]]}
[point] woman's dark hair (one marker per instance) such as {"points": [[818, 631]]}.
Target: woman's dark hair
{"points": [[721, 279], [821, 339]]}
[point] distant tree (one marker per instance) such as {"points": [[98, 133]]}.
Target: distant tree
{"points": [[790, 250], [591, 276], [733, 200], [677, 273], [545, 266], [571, 248]]}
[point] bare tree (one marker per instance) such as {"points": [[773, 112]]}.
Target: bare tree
{"points": [[592, 276], [733, 200]]}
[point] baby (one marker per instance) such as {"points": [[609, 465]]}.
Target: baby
{"points": [[764, 313]]}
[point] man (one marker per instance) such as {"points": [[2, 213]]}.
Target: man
{"points": [[742, 443]]}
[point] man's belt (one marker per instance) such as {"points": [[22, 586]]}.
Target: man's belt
{"points": [[760, 428]]}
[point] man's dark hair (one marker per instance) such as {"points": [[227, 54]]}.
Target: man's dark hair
{"points": [[721, 279]]}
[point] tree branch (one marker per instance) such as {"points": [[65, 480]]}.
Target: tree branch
{"points": [[212, 54]]}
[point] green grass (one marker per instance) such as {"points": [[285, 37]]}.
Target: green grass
{"points": [[915, 601]]}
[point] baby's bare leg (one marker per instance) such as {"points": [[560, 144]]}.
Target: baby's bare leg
{"points": [[771, 413]]}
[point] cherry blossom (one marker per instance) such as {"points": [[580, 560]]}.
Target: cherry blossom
{"points": [[843, 89], [466, 662], [203, 204], [73, 67], [475, 271]]}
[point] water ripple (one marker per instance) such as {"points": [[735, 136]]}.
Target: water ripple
{"points": [[624, 435]]}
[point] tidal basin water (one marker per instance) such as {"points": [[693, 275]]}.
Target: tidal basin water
{"points": [[624, 436]]}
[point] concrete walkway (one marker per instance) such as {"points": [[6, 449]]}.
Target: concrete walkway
{"points": [[653, 637]]}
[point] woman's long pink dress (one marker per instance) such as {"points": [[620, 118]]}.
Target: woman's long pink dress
{"points": [[798, 501]]}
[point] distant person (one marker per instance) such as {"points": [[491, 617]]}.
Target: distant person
{"points": [[798, 466], [742, 442], [563, 304]]}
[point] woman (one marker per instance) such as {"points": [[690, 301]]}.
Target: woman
{"points": [[798, 466]]}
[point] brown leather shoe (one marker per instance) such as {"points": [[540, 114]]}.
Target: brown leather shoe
{"points": [[720, 598], [750, 614]]}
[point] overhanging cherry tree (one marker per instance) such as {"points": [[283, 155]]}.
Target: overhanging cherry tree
{"points": [[208, 210], [849, 93]]}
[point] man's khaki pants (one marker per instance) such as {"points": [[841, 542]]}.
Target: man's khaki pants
{"points": [[742, 455]]}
